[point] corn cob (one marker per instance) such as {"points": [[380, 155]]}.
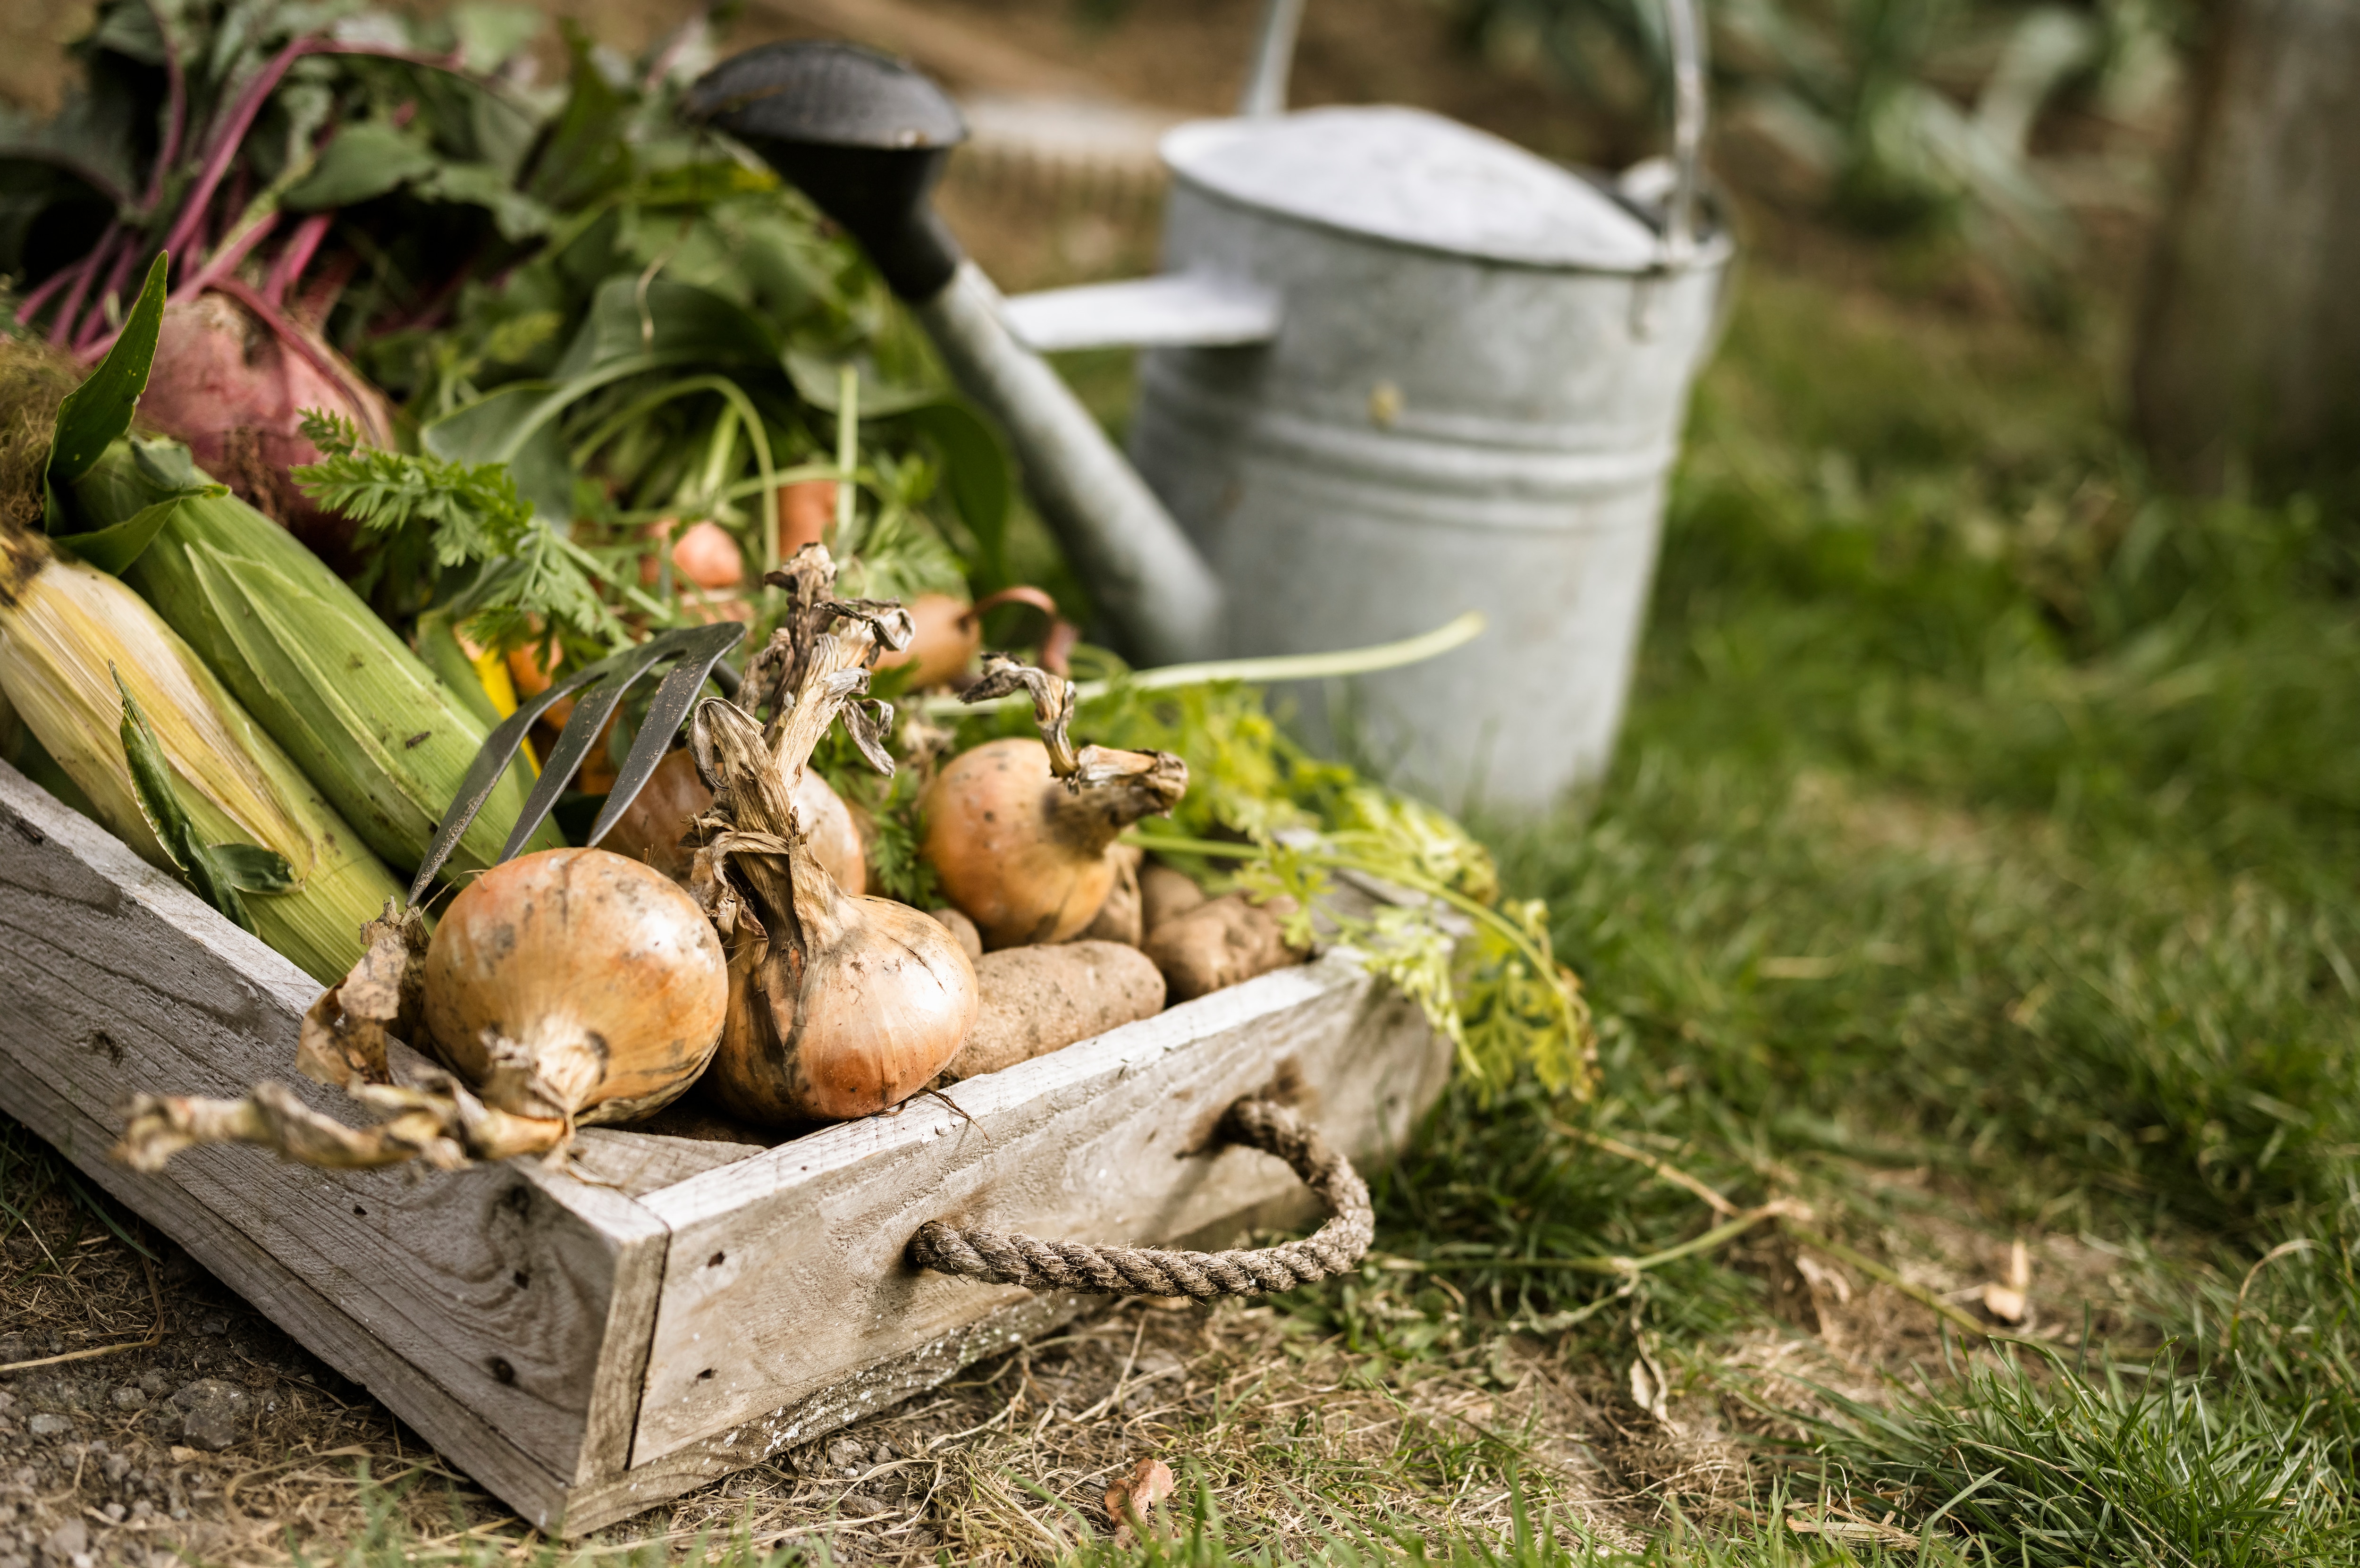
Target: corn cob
{"points": [[386, 741], [62, 625]]}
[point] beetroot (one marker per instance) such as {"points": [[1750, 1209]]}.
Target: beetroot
{"points": [[230, 385]]}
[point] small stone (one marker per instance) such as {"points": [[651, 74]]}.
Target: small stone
{"points": [[8, 1401], [861, 1504], [14, 1347], [114, 1512], [130, 1396], [118, 1465], [215, 1324], [141, 1510], [48, 1425], [153, 1383], [214, 1414], [846, 1457], [69, 1539]]}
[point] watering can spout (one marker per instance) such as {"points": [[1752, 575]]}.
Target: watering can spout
{"points": [[865, 136]]}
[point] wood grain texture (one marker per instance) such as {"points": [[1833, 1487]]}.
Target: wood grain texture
{"points": [[536, 1492], [634, 1163], [515, 1293], [877, 1387], [787, 1275]]}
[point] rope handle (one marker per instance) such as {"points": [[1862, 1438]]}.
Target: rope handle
{"points": [[1335, 1247]]}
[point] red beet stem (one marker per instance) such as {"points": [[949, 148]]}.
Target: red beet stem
{"points": [[95, 325], [40, 296], [176, 112], [227, 138], [61, 326], [295, 256], [223, 261]]}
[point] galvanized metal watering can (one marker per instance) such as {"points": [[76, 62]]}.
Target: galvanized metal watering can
{"points": [[1398, 369]]}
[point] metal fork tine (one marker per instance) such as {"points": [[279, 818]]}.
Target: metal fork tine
{"points": [[500, 748], [574, 743], [665, 710]]}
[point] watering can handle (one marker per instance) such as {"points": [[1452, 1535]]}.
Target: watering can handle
{"points": [[1274, 60], [1143, 573], [1687, 30]]}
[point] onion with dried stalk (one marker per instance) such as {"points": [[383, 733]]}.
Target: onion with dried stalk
{"points": [[839, 1005], [562, 989], [655, 826], [1019, 832]]}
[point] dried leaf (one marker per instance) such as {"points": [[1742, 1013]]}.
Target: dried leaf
{"points": [[1129, 1500], [345, 1032], [2010, 1302]]}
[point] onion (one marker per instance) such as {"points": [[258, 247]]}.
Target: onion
{"points": [[594, 975], [839, 1005], [947, 633], [707, 556], [1021, 832], [653, 827], [562, 989]]}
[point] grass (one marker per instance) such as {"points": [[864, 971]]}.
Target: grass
{"points": [[1979, 864]]}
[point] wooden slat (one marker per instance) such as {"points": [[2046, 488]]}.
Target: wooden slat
{"points": [[459, 1434], [750, 1443], [517, 1296], [787, 1276], [635, 1164]]}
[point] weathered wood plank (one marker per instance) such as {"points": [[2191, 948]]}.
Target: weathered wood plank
{"points": [[635, 1164], [880, 1387], [786, 1275], [459, 1434], [521, 1296]]}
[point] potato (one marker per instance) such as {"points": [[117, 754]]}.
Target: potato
{"points": [[1164, 893], [1219, 944], [1041, 999], [1118, 919], [970, 940]]}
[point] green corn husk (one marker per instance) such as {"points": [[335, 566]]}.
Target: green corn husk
{"points": [[386, 741], [65, 630]]}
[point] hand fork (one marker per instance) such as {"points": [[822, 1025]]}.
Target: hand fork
{"points": [[698, 649]]}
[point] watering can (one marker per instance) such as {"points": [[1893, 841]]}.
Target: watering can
{"points": [[1397, 369]]}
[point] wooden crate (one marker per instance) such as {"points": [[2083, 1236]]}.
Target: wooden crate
{"points": [[587, 1351]]}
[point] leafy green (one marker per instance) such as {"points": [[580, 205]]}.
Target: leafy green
{"points": [[432, 517], [368, 158], [95, 414], [216, 872], [1275, 821]]}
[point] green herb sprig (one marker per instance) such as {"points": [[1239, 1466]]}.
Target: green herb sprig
{"points": [[431, 520]]}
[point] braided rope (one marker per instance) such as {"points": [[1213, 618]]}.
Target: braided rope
{"points": [[1333, 1248]]}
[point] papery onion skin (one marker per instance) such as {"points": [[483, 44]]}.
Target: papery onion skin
{"points": [[949, 634], [603, 976], [1019, 852], [652, 826], [881, 1003]]}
